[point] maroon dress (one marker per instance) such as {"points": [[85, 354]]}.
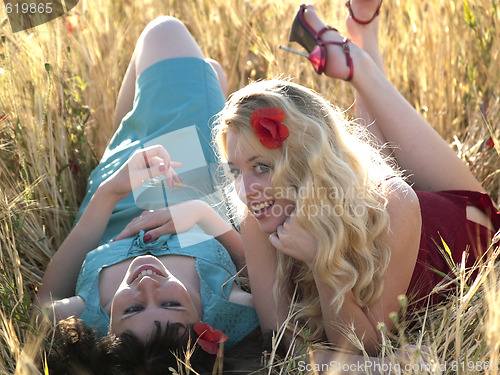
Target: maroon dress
{"points": [[444, 216]]}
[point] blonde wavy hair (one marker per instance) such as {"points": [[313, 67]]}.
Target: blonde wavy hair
{"points": [[336, 178]]}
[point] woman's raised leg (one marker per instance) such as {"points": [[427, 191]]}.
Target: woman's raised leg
{"points": [[429, 161], [163, 38]]}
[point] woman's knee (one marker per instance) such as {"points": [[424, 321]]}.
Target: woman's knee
{"points": [[164, 27], [163, 38]]}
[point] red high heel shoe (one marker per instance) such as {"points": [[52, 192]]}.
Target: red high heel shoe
{"points": [[303, 34], [348, 5]]}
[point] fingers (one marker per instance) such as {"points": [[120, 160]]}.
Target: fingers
{"points": [[170, 175], [147, 221], [154, 234], [279, 237], [275, 241], [133, 228], [153, 161], [293, 240]]}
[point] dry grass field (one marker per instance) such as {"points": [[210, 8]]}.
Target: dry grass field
{"points": [[58, 88]]}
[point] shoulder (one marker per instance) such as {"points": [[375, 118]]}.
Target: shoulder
{"points": [[404, 213], [401, 199]]}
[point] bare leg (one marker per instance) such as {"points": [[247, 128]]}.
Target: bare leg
{"points": [[163, 38], [366, 37], [420, 150], [125, 95]]}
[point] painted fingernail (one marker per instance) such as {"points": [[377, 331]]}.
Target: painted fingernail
{"points": [[147, 237]]}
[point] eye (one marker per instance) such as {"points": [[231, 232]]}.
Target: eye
{"points": [[235, 172], [133, 309], [262, 168], [170, 304]]}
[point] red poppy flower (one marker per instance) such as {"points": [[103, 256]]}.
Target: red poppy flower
{"points": [[266, 123], [73, 23], [209, 338]]}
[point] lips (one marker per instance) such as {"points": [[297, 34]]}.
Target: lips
{"points": [[145, 270], [259, 210]]}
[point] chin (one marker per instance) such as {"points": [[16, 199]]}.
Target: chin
{"points": [[273, 216], [268, 229], [270, 225]]}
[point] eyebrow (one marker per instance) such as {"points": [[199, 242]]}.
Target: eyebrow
{"points": [[122, 318], [249, 160]]}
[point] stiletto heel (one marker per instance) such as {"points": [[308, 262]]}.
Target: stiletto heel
{"points": [[303, 34], [316, 57]]}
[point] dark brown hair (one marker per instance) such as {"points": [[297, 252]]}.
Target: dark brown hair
{"points": [[78, 350]]}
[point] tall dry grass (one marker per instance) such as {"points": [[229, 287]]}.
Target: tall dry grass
{"points": [[58, 88]]}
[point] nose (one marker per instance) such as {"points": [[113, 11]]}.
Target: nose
{"points": [[149, 288], [246, 186]]}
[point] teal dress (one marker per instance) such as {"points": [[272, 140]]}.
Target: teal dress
{"points": [[175, 104]]}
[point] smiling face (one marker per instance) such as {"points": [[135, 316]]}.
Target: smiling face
{"points": [[149, 293], [252, 173]]}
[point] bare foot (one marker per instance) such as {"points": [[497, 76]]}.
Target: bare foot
{"points": [[336, 63]]}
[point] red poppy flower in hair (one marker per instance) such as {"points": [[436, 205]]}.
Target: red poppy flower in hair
{"points": [[209, 338], [267, 125]]}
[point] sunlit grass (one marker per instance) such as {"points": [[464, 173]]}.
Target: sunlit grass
{"points": [[58, 88]]}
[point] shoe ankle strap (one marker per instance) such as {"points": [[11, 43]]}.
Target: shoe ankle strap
{"points": [[324, 30], [357, 20]]}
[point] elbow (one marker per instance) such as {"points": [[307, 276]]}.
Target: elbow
{"points": [[60, 309], [355, 341]]}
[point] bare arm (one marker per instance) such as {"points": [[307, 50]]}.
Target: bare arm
{"points": [[261, 261], [233, 243], [61, 275], [403, 239], [181, 218]]}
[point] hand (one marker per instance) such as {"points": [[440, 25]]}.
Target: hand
{"points": [[175, 219], [142, 165], [292, 239]]}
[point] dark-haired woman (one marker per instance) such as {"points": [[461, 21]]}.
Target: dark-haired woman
{"points": [[158, 167]]}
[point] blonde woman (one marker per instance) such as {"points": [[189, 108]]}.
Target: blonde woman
{"points": [[328, 221]]}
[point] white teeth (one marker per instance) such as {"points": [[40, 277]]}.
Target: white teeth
{"points": [[261, 206], [147, 272]]}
